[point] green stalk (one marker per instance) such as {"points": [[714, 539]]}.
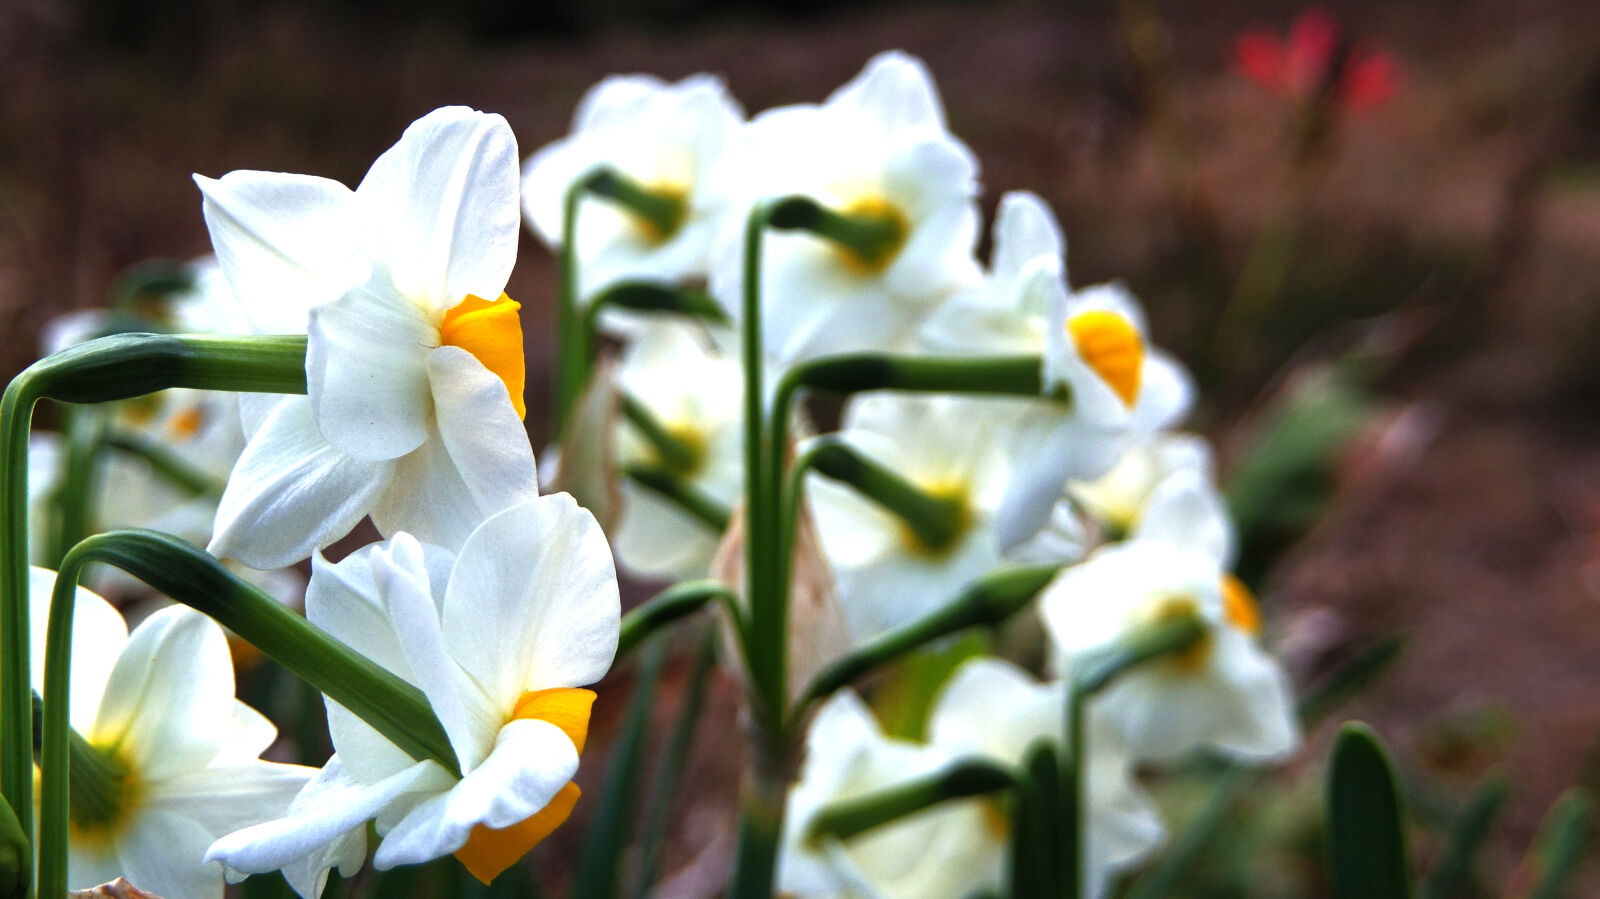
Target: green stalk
{"points": [[663, 213], [79, 475], [873, 238], [650, 296], [961, 780], [110, 368], [687, 497], [937, 522], [676, 456], [172, 467], [668, 606], [766, 779], [572, 357], [1467, 832], [988, 600], [1166, 636]]}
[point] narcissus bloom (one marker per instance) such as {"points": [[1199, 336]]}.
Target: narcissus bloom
{"points": [[414, 364], [936, 853], [888, 572], [1226, 692], [181, 753], [992, 708], [669, 139], [1117, 499], [1095, 349], [696, 395], [500, 638], [877, 149]]}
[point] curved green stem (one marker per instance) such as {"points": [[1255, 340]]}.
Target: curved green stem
{"points": [[572, 356], [103, 370], [988, 600], [961, 780], [668, 606]]}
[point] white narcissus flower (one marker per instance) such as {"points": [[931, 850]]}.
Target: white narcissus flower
{"points": [[886, 574], [500, 638], [696, 394], [159, 707], [939, 852], [1118, 498], [670, 139], [1226, 692], [878, 147], [414, 363], [992, 708], [1095, 348]]}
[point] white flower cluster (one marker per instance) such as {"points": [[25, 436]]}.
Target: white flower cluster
{"points": [[500, 604], [1089, 475]]}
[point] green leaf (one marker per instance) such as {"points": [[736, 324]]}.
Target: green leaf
{"points": [[960, 780], [671, 765], [1466, 836], [1560, 844], [16, 856], [600, 861], [1367, 856]]}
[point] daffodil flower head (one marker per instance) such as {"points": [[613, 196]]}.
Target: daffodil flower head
{"points": [[1118, 499], [671, 140], [889, 570], [1226, 692], [993, 709], [877, 154], [933, 854], [501, 639], [178, 755], [695, 395], [414, 363]]}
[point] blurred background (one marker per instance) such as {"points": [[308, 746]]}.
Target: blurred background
{"points": [[1390, 266]]}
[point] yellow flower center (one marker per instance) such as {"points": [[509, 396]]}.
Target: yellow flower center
{"points": [[489, 851], [1167, 608], [1112, 347], [889, 232], [1240, 606], [186, 423], [492, 332]]}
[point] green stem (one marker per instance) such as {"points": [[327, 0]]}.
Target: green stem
{"points": [[961, 780], [78, 479], [572, 357], [937, 522], [671, 765], [649, 296], [110, 368], [16, 855], [1167, 636], [669, 605], [988, 600], [872, 237], [662, 213], [172, 467], [676, 455], [1075, 798], [687, 497]]}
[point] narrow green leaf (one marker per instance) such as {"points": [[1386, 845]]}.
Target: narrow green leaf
{"points": [[16, 855], [665, 607], [1350, 678], [1560, 844], [1466, 836], [671, 765], [1367, 857], [600, 862]]}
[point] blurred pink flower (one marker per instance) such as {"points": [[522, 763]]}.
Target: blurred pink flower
{"points": [[1300, 66]]}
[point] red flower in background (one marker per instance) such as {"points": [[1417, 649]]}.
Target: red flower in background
{"points": [[1315, 52]]}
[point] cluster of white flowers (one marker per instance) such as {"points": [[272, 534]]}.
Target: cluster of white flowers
{"points": [[500, 604], [1090, 475]]}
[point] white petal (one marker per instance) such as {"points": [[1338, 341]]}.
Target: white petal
{"points": [[325, 825], [226, 798], [1185, 509], [162, 853], [443, 203], [532, 760], [366, 372], [1264, 728], [249, 735], [292, 493], [897, 89], [286, 242], [402, 578], [98, 637], [533, 600], [1024, 229], [169, 702], [1056, 446], [1166, 393], [993, 708]]}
